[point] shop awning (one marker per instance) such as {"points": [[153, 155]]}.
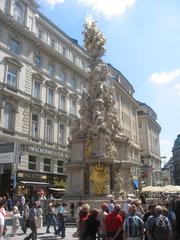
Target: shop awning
{"points": [[57, 189], [35, 183]]}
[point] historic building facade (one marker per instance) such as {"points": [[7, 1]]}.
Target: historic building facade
{"points": [[42, 74], [176, 160], [149, 131], [127, 108]]}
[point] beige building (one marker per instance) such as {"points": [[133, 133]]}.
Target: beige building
{"points": [[149, 131], [43, 71], [127, 106]]}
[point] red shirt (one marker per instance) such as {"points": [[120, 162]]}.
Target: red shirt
{"points": [[113, 222]]}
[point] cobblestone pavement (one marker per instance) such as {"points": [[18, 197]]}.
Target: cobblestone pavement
{"points": [[42, 235]]}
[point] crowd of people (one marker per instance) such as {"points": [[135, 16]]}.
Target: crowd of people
{"points": [[127, 220], [132, 221]]}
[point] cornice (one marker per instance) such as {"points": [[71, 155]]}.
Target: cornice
{"points": [[9, 21]]}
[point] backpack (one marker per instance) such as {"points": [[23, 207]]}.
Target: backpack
{"points": [[160, 228], [134, 226]]}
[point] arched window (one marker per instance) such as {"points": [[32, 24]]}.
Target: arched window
{"points": [[9, 116]]}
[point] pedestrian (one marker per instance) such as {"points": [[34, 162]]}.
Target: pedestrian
{"points": [[146, 216], [25, 215], [92, 226], [172, 217], [111, 206], [51, 217], [2, 216], [158, 226], [61, 224], [32, 223], [83, 216], [72, 210], [127, 205], [177, 213], [140, 210], [39, 217], [102, 216], [114, 224], [78, 209], [15, 220], [133, 225]]}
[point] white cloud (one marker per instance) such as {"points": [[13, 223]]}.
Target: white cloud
{"points": [[177, 88], [164, 77], [109, 8], [51, 2]]}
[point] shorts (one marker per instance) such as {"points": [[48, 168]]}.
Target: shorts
{"points": [[1, 221]]}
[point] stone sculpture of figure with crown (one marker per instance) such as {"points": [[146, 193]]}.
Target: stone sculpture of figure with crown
{"points": [[92, 147]]}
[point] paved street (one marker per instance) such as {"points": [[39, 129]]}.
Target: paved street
{"points": [[41, 234]]}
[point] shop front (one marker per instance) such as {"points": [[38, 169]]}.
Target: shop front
{"points": [[35, 184]]}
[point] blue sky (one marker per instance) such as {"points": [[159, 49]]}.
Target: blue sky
{"points": [[143, 42]]}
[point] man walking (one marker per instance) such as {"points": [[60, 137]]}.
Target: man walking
{"points": [[158, 226], [133, 225]]}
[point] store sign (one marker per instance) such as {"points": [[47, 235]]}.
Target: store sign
{"points": [[46, 151], [7, 153], [57, 181]]}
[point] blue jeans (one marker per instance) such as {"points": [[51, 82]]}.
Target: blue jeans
{"points": [[51, 219], [61, 228]]}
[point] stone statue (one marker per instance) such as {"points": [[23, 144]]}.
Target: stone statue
{"points": [[119, 186]]}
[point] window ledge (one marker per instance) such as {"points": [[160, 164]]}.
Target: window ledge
{"points": [[8, 131], [49, 143], [11, 88], [35, 139]]}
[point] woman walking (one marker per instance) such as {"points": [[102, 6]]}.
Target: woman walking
{"points": [[15, 220]]}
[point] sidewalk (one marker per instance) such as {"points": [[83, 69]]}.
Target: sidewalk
{"points": [[42, 235]]}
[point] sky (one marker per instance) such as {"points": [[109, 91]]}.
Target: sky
{"points": [[143, 43]]}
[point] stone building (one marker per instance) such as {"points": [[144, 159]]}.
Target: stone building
{"points": [[127, 107], [149, 131], [176, 160], [42, 73]]}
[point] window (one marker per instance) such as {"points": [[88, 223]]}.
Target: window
{"points": [[53, 43], [62, 103], [49, 130], [64, 51], [32, 163], [19, 11], [47, 165], [50, 96], [40, 33], [73, 107], [59, 166], [62, 76], [14, 46], [73, 82], [62, 133], [11, 77], [35, 126], [74, 59], [38, 60], [51, 69], [9, 116], [37, 89]]}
